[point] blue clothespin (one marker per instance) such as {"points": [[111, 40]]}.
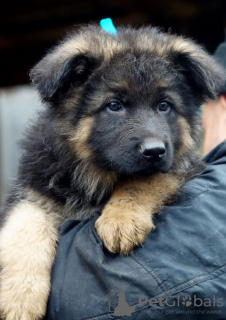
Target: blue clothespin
{"points": [[198, 110], [108, 26]]}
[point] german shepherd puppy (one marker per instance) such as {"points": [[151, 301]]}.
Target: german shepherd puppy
{"points": [[119, 134]]}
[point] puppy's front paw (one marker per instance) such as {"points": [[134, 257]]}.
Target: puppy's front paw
{"points": [[27, 250], [24, 289], [122, 226], [26, 302]]}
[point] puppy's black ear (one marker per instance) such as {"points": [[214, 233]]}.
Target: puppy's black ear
{"points": [[203, 75], [54, 78]]}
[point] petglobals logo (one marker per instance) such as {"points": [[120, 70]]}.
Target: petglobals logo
{"points": [[119, 306], [178, 301], [177, 304]]}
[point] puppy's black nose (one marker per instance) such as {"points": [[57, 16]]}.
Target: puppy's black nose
{"points": [[152, 150]]}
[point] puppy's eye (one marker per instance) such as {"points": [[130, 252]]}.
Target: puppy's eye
{"points": [[164, 106], [114, 106]]}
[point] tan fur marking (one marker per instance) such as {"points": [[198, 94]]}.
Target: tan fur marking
{"points": [[122, 85], [98, 179], [72, 102], [27, 250], [168, 43], [187, 141], [106, 45], [79, 140], [184, 45], [127, 218]]}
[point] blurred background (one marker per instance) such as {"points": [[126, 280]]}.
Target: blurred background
{"points": [[29, 28]]}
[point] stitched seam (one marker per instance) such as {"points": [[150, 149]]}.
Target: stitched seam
{"points": [[194, 186], [199, 279], [199, 184], [190, 195], [191, 283], [151, 271], [187, 203]]}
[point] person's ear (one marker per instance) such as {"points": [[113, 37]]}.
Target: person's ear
{"points": [[223, 100]]}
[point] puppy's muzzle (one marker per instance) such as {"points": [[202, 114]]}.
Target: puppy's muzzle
{"points": [[152, 149]]}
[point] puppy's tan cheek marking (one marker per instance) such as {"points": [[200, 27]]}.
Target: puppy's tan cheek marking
{"points": [[72, 102], [186, 140], [27, 251], [79, 140]]}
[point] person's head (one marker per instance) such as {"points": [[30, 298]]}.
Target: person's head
{"points": [[214, 113]]}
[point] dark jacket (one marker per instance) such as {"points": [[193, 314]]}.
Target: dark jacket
{"points": [[179, 273]]}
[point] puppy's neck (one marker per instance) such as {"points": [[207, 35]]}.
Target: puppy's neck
{"points": [[96, 182]]}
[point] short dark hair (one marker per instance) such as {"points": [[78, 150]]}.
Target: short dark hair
{"points": [[220, 56]]}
